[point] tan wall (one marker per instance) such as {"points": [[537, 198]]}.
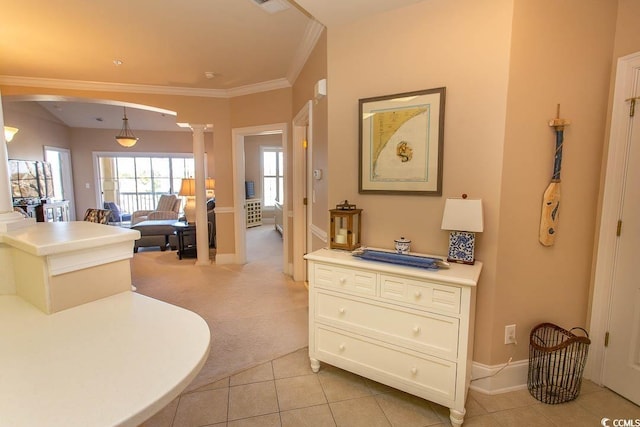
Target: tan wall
{"points": [[498, 145], [37, 128], [303, 91], [261, 108], [536, 283], [252, 161], [463, 45], [627, 37], [84, 142]]}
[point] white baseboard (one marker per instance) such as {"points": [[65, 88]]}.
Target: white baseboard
{"points": [[226, 259], [513, 377]]}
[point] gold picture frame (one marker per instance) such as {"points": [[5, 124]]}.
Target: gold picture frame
{"points": [[401, 143]]}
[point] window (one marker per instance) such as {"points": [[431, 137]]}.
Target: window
{"points": [[137, 182], [272, 175]]}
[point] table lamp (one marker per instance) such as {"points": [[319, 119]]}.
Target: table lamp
{"points": [[463, 217], [188, 190], [210, 186]]}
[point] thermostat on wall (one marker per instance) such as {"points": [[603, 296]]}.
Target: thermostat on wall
{"points": [[320, 89]]}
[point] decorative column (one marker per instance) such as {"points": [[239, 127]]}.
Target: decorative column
{"points": [[202, 224], [9, 220]]}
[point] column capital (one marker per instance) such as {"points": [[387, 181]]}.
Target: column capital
{"points": [[198, 126]]}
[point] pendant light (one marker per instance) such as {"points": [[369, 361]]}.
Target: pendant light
{"points": [[126, 138]]}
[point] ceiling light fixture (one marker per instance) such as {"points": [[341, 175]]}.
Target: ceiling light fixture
{"points": [[126, 138]]}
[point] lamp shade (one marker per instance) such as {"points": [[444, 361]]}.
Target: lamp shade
{"points": [[210, 184], [188, 187], [463, 215], [9, 132]]}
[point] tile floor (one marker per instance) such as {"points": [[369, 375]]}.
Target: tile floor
{"points": [[285, 392]]}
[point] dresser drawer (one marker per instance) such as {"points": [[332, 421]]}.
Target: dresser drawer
{"points": [[424, 332], [435, 376], [356, 281], [423, 294]]}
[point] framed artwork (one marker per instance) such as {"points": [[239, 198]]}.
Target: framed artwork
{"points": [[401, 143]]}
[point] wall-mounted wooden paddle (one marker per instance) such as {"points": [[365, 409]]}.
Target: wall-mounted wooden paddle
{"points": [[551, 198]]}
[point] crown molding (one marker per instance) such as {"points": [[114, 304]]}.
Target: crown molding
{"points": [[258, 87], [147, 89], [311, 35]]}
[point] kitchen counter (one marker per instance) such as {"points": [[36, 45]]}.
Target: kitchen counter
{"points": [[60, 265], [115, 361]]}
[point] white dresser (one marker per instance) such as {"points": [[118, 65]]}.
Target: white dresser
{"points": [[406, 327]]}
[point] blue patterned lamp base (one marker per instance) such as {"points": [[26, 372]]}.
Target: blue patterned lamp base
{"points": [[461, 247]]}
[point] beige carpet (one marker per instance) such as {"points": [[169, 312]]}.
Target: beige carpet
{"points": [[255, 312]]}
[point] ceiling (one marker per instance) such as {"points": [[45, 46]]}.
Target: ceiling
{"points": [[218, 48]]}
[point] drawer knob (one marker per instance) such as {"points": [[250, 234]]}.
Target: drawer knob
{"points": [[342, 280], [341, 347], [418, 294], [416, 330], [342, 310], [414, 371]]}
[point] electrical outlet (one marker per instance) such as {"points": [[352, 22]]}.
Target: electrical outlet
{"points": [[510, 334]]}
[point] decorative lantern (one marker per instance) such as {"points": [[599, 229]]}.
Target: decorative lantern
{"points": [[345, 227]]}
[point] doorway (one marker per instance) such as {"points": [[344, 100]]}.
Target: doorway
{"points": [[240, 136], [615, 321], [60, 160]]}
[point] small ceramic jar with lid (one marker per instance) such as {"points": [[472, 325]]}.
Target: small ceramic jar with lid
{"points": [[402, 245]]}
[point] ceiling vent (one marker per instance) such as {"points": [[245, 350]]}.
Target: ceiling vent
{"points": [[272, 6]]}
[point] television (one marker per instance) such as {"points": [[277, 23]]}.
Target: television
{"points": [[249, 187]]}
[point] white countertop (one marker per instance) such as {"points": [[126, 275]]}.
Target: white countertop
{"points": [[46, 238], [114, 361]]}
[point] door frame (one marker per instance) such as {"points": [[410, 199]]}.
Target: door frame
{"points": [[611, 210], [302, 215], [66, 170], [240, 221]]}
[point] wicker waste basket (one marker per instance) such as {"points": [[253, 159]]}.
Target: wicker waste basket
{"points": [[556, 363]]}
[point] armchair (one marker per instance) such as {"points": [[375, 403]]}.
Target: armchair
{"points": [[117, 216], [168, 208]]}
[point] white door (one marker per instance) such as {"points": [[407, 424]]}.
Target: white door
{"points": [[621, 371]]}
